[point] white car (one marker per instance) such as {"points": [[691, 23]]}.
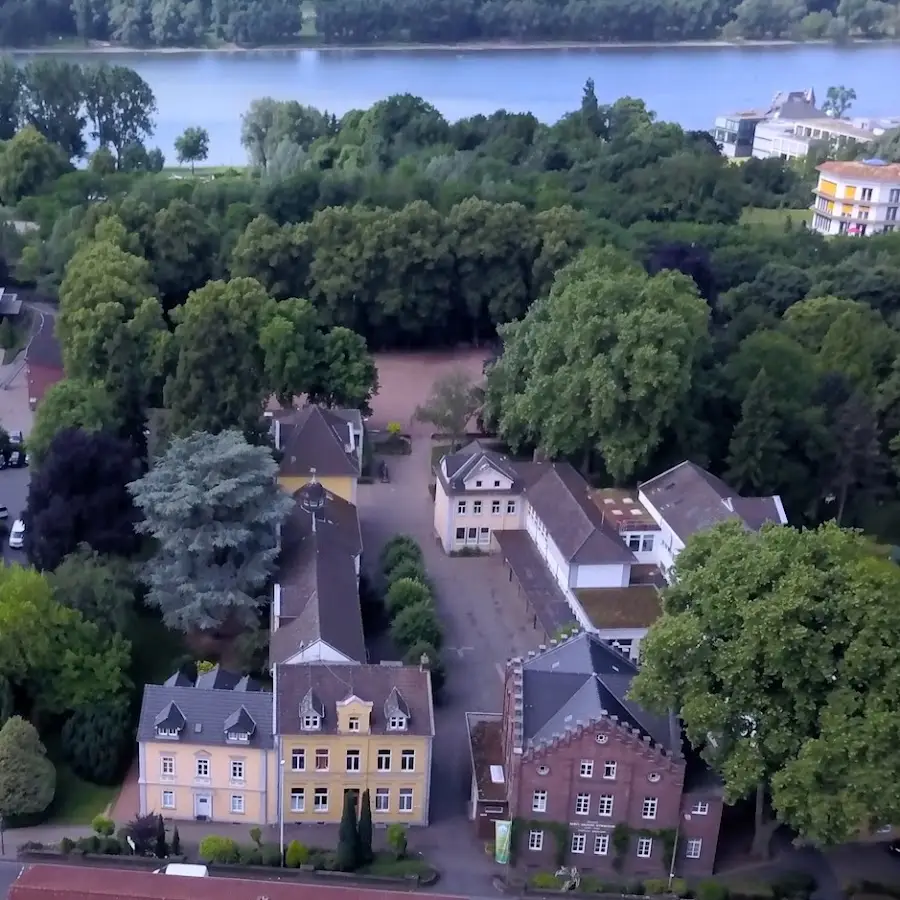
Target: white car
{"points": [[17, 535]]}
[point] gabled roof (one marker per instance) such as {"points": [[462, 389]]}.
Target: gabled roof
{"points": [[311, 705], [216, 678], [456, 468], [583, 680], [170, 717], [204, 713], [179, 679], [690, 499], [374, 684], [240, 722], [315, 440], [395, 705]]}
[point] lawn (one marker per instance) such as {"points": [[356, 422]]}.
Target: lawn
{"points": [[77, 801], [776, 218], [386, 864]]}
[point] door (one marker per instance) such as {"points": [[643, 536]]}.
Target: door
{"points": [[203, 806]]}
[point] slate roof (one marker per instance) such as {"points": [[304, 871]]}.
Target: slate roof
{"points": [[206, 713], [216, 678], [455, 468], [296, 686], [691, 500], [585, 680], [315, 439], [318, 582], [44, 349]]}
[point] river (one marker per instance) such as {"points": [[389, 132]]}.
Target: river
{"points": [[690, 85]]}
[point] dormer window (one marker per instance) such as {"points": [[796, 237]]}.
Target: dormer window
{"points": [[397, 723], [167, 733], [238, 737], [311, 722]]}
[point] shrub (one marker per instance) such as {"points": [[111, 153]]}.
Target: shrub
{"points": [[110, 846], [97, 742], [712, 890], [251, 856], [656, 886], [256, 836], [393, 428], [66, 845], [143, 830], [88, 844], [217, 849], [545, 881], [636, 888], [161, 847], [396, 839], [794, 885], [403, 593], [407, 568], [413, 657], [364, 829], [399, 548], [416, 624], [348, 850], [271, 855], [296, 855], [39, 845], [176, 842], [751, 889], [27, 777], [679, 887], [103, 825]]}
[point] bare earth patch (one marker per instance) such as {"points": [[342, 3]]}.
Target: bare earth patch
{"points": [[405, 381]]}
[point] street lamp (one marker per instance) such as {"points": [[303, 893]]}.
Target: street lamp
{"points": [[281, 808]]}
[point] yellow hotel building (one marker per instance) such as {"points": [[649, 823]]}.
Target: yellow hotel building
{"points": [[347, 728], [857, 198]]}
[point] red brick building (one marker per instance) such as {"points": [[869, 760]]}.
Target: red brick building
{"points": [[583, 764], [43, 361]]}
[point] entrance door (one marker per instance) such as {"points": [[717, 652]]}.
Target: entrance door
{"points": [[203, 806]]}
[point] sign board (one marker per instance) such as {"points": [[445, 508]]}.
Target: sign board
{"points": [[502, 839]]}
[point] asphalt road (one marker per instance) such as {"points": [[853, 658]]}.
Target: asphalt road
{"points": [[13, 495]]}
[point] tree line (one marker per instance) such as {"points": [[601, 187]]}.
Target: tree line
{"points": [[161, 23]]}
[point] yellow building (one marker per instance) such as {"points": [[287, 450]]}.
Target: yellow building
{"points": [[206, 750], [349, 728], [320, 444], [857, 198]]}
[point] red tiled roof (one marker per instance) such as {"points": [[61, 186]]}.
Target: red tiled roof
{"points": [[47, 882]]}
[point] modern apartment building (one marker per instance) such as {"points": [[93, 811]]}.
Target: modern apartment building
{"points": [[856, 198]]}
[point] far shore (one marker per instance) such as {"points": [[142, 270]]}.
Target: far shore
{"points": [[104, 47]]}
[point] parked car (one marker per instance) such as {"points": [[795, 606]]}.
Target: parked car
{"points": [[16, 438], [17, 535], [18, 459], [4, 512]]}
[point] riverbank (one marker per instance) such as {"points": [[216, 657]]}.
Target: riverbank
{"points": [[107, 47]]}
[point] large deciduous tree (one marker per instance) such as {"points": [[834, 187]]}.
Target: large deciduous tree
{"points": [[293, 345], [454, 399], [192, 146], [27, 163], [602, 364], [52, 98], [777, 649], [213, 506], [79, 495], [346, 374], [27, 777]]}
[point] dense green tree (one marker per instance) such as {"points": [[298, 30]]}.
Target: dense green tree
{"points": [[776, 649], [28, 162], [52, 100], [120, 106], [217, 545], [346, 374], [349, 851], [601, 364], [454, 399], [97, 743], [293, 346], [271, 254], [27, 777], [838, 99], [415, 624], [182, 249], [192, 146], [365, 829], [405, 592], [10, 97]]}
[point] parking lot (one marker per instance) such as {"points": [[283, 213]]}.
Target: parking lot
{"points": [[13, 495]]}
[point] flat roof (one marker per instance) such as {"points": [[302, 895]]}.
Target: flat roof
{"points": [[635, 606], [486, 748], [623, 510]]}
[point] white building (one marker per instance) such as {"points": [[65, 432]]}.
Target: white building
{"points": [[856, 198]]}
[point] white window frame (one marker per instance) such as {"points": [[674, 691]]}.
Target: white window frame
{"points": [[586, 770], [407, 760], [354, 757], [298, 760], [536, 840], [236, 770], [202, 767], [601, 844], [353, 723], [383, 761], [168, 733], [650, 808], [609, 770], [583, 804], [605, 803], [700, 808], [510, 507], [644, 848], [320, 804], [460, 507], [237, 808], [397, 723], [646, 543], [298, 800], [579, 842], [382, 800], [168, 795], [405, 800], [476, 507], [694, 848], [311, 722], [539, 801], [322, 751], [167, 767], [495, 507]]}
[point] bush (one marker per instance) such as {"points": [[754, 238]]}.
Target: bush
{"points": [[88, 844], [251, 856], [296, 855], [407, 568], [656, 886], [256, 836], [271, 855], [750, 889], [396, 839], [27, 777], [97, 743], [679, 887], [712, 890], [403, 593], [416, 624], [398, 549], [103, 825], [110, 846], [217, 849], [794, 885], [545, 881], [66, 845], [413, 657], [636, 888]]}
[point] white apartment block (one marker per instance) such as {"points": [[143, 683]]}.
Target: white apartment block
{"points": [[856, 198]]}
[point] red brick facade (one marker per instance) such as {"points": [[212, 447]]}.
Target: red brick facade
{"points": [[596, 777]]}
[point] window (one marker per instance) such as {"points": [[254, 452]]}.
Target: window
{"points": [[384, 761], [406, 800], [601, 844], [461, 508], [353, 760], [535, 840], [578, 842], [587, 768], [311, 723], [700, 808], [167, 732], [167, 766], [694, 846], [864, 214], [237, 770], [460, 534], [604, 805], [203, 767], [478, 483], [238, 737], [322, 760], [320, 800], [298, 799], [539, 801], [648, 811], [582, 804], [510, 507], [298, 760], [634, 542], [484, 535], [647, 543], [353, 723], [382, 800], [408, 761], [644, 847], [476, 507], [609, 771], [237, 804], [891, 214], [894, 195], [168, 799], [866, 194], [472, 534], [397, 723], [496, 482], [495, 508]]}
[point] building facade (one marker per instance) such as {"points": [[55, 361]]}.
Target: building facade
{"points": [[345, 729], [856, 198]]}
